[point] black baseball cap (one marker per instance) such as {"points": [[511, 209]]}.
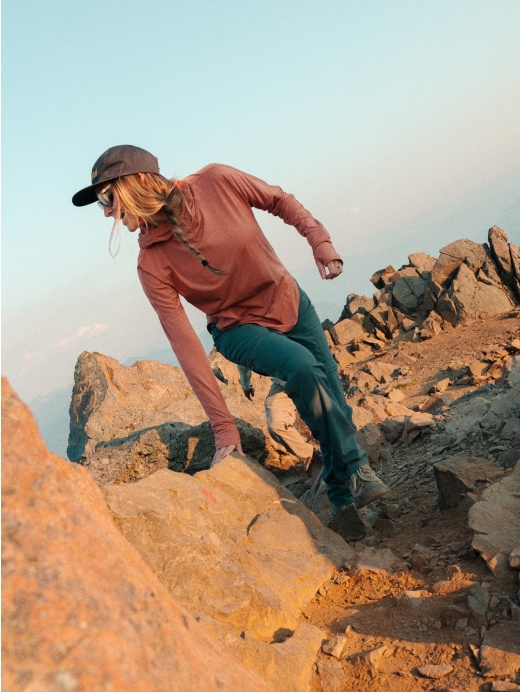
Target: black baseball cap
{"points": [[115, 162]]}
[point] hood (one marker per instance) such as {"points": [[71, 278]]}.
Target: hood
{"points": [[155, 234]]}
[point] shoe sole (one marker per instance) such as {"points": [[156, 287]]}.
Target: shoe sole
{"points": [[372, 492]]}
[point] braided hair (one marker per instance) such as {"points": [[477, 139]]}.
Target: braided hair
{"points": [[153, 199]]}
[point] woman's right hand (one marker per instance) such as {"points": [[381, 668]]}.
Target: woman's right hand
{"points": [[222, 452]]}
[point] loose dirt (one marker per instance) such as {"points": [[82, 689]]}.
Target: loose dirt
{"points": [[367, 608]]}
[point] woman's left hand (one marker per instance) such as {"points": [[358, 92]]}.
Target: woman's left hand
{"points": [[222, 452], [334, 269]]}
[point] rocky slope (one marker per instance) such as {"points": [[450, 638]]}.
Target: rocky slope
{"points": [[429, 599]]}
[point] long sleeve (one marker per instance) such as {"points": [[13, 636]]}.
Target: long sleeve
{"points": [[274, 200], [192, 358]]}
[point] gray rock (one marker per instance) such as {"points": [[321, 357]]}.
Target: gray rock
{"points": [[511, 430], [370, 438], [460, 475], [404, 297], [500, 650], [477, 601], [495, 519]]}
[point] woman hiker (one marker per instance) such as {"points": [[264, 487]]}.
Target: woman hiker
{"points": [[199, 239]]}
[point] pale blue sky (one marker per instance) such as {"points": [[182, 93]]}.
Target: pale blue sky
{"points": [[395, 122]]}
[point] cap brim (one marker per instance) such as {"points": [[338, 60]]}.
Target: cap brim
{"points": [[85, 196], [88, 194]]}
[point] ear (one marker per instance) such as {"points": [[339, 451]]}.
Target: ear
{"points": [[142, 178]]}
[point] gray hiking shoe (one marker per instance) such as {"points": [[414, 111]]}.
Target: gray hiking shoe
{"points": [[366, 487], [347, 522]]}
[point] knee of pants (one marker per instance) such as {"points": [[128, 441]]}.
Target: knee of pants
{"points": [[305, 376]]}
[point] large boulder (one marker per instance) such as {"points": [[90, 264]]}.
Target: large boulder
{"points": [[495, 519], [81, 610], [230, 543], [179, 447], [113, 401], [469, 299]]}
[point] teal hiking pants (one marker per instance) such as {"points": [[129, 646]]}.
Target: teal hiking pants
{"points": [[302, 358]]}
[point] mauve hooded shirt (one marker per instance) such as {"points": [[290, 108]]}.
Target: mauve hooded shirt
{"points": [[257, 288]]}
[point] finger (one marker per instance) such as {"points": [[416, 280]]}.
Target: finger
{"points": [[221, 453], [335, 269], [321, 269]]}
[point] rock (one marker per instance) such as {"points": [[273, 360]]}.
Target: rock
{"points": [[504, 686], [406, 294], [381, 278], [450, 615], [357, 304], [422, 262], [331, 676], [468, 299], [286, 666], [434, 672], [443, 588], [511, 430], [392, 428], [334, 647], [436, 404], [460, 475], [429, 328], [445, 266], [230, 543], [81, 610], [495, 519], [380, 560], [501, 254], [415, 425], [342, 357], [472, 254], [514, 558], [346, 331], [500, 650], [112, 401], [395, 396], [441, 386], [176, 446], [477, 601], [370, 438], [413, 599], [377, 410], [370, 661]]}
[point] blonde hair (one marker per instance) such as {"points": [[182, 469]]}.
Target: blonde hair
{"points": [[152, 198]]}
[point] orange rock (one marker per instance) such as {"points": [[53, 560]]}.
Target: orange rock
{"points": [[80, 608]]}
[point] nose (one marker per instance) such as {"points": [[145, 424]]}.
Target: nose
{"points": [[108, 211]]}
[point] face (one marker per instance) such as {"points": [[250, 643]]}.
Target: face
{"points": [[107, 202]]}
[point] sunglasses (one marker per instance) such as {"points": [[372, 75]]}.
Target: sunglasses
{"points": [[106, 197]]}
